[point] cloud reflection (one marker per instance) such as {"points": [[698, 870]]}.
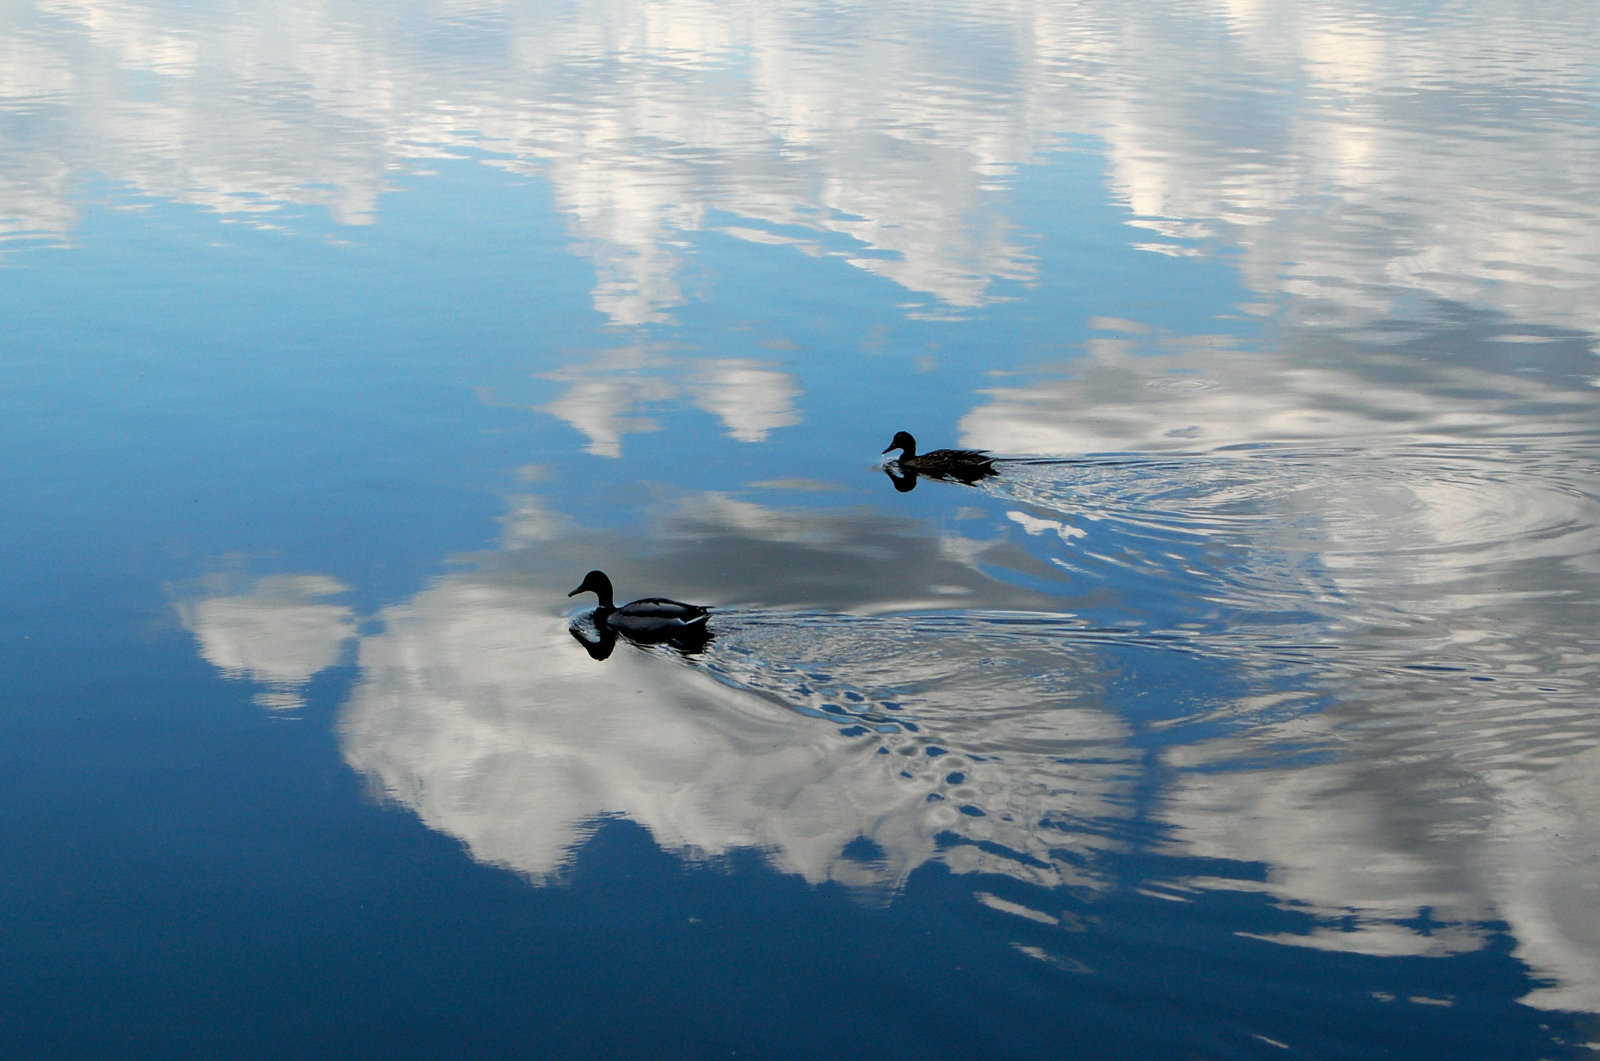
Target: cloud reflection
{"points": [[1144, 391], [604, 396], [477, 712], [279, 632], [973, 741], [1414, 852], [1353, 155], [1408, 765], [1415, 553], [749, 398]]}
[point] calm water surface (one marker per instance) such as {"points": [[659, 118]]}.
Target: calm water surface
{"points": [[1250, 711]]}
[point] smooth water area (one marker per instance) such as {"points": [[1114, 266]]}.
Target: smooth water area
{"points": [[1249, 711]]}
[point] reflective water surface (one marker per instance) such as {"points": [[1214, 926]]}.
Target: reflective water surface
{"points": [[1249, 709]]}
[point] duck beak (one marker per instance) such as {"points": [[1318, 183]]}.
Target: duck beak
{"points": [[889, 447], [575, 592]]}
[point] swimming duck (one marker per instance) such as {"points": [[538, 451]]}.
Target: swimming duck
{"points": [[953, 465], [647, 619]]}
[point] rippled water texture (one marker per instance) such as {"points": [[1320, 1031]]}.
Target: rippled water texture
{"points": [[1249, 710]]}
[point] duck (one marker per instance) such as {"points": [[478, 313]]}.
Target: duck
{"points": [[954, 465], [646, 619]]}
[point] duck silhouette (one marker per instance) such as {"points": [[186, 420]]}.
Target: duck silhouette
{"points": [[649, 619], [950, 465]]}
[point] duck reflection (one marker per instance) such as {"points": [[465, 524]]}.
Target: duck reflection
{"points": [[601, 646], [903, 482], [947, 465], [648, 620]]}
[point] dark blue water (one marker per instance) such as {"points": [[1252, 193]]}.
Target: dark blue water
{"points": [[1249, 710]]}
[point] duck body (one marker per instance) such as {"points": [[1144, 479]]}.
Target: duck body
{"points": [[646, 619], [653, 615], [955, 465]]}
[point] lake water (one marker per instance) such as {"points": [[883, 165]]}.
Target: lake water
{"points": [[1251, 710]]}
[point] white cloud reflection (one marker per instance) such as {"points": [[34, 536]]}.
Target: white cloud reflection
{"points": [[602, 407], [1439, 544], [476, 709], [1361, 158], [1372, 846], [605, 396], [1151, 392], [279, 632], [1354, 155], [748, 397], [1451, 782], [483, 716]]}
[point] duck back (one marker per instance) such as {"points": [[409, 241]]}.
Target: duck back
{"points": [[662, 608]]}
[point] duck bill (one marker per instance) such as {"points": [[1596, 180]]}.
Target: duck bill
{"points": [[575, 592], [888, 449]]}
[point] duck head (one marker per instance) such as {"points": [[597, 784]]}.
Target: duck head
{"points": [[597, 583], [905, 443]]}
